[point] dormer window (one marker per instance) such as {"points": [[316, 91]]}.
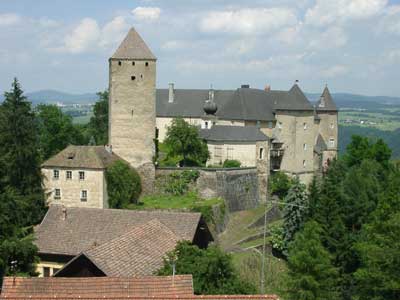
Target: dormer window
{"points": [[70, 155]]}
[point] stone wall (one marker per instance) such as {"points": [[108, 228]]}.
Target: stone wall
{"points": [[239, 187]]}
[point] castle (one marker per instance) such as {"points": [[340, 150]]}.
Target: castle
{"points": [[268, 129]]}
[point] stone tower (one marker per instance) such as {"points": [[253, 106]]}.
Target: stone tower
{"points": [[328, 126], [132, 115]]}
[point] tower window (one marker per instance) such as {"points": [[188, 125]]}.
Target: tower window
{"points": [[305, 147], [133, 63], [332, 125], [261, 153], [146, 64], [119, 63], [304, 163], [133, 77], [305, 126], [332, 142], [141, 76]]}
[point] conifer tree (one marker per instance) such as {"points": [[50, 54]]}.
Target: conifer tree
{"points": [[295, 211], [311, 274]]}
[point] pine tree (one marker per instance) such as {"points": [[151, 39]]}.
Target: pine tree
{"points": [[311, 274], [295, 211], [19, 155]]}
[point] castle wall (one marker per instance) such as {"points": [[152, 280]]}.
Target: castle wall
{"points": [[163, 123], [296, 131], [132, 114], [243, 152], [94, 184]]}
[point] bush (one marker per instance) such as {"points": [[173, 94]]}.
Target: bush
{"points": [[277, 241], [123, 185], [178, 183], [279, 184], [231, 163]]}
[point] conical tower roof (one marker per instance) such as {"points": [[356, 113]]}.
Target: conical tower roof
{"points": [[325, 102], [133, 47]]}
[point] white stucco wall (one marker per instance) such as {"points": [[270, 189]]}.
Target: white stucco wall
{"points": [[94, 183], [243, 152]]}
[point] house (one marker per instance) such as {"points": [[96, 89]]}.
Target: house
{"points": [[112, 242], [76, 176], [139, 288]]}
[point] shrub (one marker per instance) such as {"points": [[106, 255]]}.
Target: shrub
{"points": [[231, 163], [123, 184], [178, 183], [279, 184], [277, 241]]}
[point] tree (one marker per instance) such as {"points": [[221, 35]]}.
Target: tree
{"points": [[98, 125], [311, 274], [295, 211], [212, 269], [279, 184], [56, 130], [183, 140], [123, 184]]}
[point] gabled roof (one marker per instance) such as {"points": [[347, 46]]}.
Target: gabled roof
{"points": [[84, 228], [294, 99], [240, 104], [138, 252], [133, 47], [226, 133], [91, 157], [97, 287], [325, 102]]}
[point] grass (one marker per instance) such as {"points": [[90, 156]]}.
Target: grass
{"points": [[382, 120], [82, 119], [188, 201]]}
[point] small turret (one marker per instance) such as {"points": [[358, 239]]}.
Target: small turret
{"points": [[210, 107]]}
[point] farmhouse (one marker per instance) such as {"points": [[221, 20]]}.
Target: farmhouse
{"points": [[112, 242]]}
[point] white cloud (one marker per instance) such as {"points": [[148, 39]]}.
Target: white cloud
{"points": [[326, 12], [148, 13], [9, 19], [83, 37], [334, 71], [390, 23], [333, 37], [113, 32], [247, 21], [173, 45]]}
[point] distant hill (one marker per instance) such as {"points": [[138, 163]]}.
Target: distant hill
{"points": [[53, 96], [341, 99]]}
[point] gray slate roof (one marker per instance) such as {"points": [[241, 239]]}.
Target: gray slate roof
{"points": [[84, 228], [91, 157], [225, 133], [133, 47], [240, 104], [138, 252], [325, 102]]}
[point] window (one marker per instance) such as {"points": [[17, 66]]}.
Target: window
{"points": [[57, 193], [304, 147], [206, 125], [332, 125], [133, 63], [141, 76], [119, 63], [146, 64], [68, 175], [46, 272], [56, 174], [331, 142], [84, 195], [133, 77], [81, 175], [279, 125], [305, 126], [304, 163], [261, 153]]}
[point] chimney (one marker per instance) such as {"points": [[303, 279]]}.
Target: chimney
{"points": [[64, 213], [245, 86], [171, 93], [267, 88]]}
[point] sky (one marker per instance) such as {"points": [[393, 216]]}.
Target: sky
{"points": [[351, 45]]}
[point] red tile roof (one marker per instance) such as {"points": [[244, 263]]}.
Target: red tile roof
{"points": [[97, 287]]}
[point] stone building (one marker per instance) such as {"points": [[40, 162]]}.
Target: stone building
{"points": [[76, 176]]}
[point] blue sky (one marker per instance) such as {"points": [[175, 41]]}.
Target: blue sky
{"points": [[352, 45]]}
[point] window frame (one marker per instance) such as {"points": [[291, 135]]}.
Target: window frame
{"points": [[82, 176], [84, 198], [332, 142], [57, 196], [68, 172], [56, 171]]}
